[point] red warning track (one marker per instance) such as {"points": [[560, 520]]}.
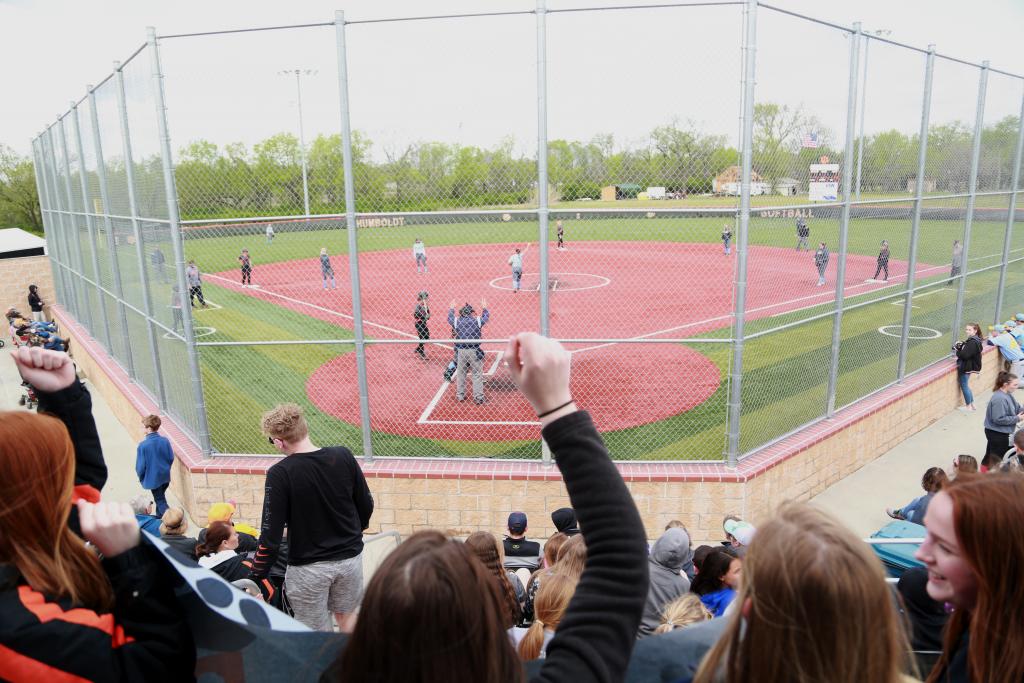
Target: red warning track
{"points": [[598, 290]]}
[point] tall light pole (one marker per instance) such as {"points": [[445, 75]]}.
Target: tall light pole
{"points": [[299, 73], [863, 102]]}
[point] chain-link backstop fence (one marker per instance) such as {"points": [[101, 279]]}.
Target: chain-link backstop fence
{"points": [[738, 219]]}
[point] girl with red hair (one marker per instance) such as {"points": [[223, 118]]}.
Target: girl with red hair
{"points": [[69, 611]]}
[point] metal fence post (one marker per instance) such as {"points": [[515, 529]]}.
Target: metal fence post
{"points": [[75, 233], [63, 232], [353, 243], [52, 249], [1008, 237], [115, 268], [863, 107], [55, 230], [179, 248], [140, 250], [972, 190], [542, 166], [915, 229], [844, 220], [91, 225], [742, 234]]}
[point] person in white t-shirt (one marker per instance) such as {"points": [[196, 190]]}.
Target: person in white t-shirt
{"points": [[516, 261], [419, 253]]}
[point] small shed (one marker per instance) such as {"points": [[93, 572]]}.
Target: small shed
{"points": [[728, 182], [16, 243], [611, 193], [787, 187]]}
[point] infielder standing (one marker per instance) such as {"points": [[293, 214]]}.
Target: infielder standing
{"points": [[421, 314], [516, 261], [419, 253], [560, 230], [246, 263], [821, 262], [326, 270], [727, 239], [883, 261]]}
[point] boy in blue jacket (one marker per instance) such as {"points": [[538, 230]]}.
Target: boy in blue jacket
{"points": [[153, 461]]}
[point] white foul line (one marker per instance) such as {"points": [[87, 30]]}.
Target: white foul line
{"points": [[332, 312]]}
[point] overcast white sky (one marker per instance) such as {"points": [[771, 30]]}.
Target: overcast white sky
{"points": [[473, 81]]}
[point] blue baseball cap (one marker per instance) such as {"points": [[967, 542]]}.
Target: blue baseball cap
{"points": [[517, 522]]}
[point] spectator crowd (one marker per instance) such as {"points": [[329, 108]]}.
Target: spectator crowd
{"points": [[87, 596]]}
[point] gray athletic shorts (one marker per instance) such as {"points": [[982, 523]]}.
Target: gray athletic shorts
{"points": [[318, 590]]}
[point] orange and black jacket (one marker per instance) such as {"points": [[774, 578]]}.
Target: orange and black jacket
{"points": [[144, 636]]}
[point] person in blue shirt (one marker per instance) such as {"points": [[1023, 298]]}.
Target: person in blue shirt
{"points": [[717, 581], [1008, 347], [468, 355], [153, 460], [142, 506]]}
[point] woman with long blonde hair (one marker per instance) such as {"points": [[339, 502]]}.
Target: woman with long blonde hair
{"points": [[814, 606], [549, 607], [972, 550], [65, 613]]}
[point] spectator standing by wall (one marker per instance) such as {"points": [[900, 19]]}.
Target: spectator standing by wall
{"points": [[968, 362], [153, 459], [1002, 415], [36, 304], [468, 355], [821, 257], [321, 495]]}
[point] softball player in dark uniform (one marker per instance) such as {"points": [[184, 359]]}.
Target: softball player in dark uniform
{"points": [[560, 230], [246, 267], [883, 261], [421, 314]]}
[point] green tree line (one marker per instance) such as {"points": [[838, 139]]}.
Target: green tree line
{"points": [[235, 180]]}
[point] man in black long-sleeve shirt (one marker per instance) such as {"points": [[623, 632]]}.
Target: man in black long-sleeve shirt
{"points": [[320, 494]]}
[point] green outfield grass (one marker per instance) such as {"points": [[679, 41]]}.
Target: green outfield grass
{"points": [[785, 372]]}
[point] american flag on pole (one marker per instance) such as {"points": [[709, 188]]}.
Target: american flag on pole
{"points": [[809, 139]]}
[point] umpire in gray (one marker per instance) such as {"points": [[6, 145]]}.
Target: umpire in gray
{"points": [[467, 325]]}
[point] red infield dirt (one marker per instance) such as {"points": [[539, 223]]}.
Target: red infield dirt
{"points": [[598, 290]]}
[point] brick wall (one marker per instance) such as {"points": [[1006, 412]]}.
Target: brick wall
{"points": [[16, 274]]}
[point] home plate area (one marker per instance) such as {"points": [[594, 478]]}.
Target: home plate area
{"points": [[623, 385]]}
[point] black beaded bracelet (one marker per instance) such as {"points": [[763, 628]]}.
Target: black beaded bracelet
{"points": [[555, 410]]}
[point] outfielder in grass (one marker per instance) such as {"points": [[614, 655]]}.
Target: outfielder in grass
{"points": [[802, 233], [419, 253], [468, 354], [326, 270]]}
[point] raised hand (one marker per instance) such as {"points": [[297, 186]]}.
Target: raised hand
{"points": [[540, 368], [46, 370], [111, 527]]}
